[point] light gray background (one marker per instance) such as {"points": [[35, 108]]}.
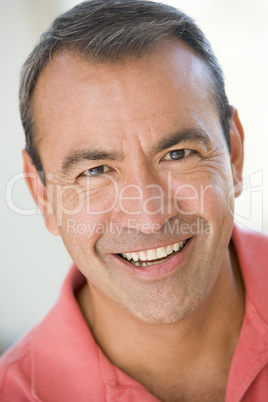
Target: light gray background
{"points": [[33, 262]]}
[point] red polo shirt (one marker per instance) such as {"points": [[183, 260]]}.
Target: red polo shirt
{"points": [[59, 361]]}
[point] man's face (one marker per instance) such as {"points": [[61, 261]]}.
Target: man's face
{"points": [[137, 168]]}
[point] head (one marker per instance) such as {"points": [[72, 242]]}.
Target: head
{"points": [[125, 113], [109, 31]]}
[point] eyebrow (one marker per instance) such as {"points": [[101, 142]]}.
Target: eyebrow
{"points": [[193, 135], [89, 155]]}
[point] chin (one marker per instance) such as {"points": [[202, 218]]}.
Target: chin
{"points": [[168, 315]]}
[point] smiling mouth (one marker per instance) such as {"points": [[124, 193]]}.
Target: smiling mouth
{"points": [[154, 256]]}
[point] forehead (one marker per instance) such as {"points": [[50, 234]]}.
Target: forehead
{"points": [[75, 98]]}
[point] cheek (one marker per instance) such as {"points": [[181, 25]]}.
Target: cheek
{"points": [[81, 216], [204, 193], [99, 196], [189, 197], [82, 205], [83, 228]]}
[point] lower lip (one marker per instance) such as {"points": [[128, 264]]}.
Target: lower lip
{"points": [[160, 270]]}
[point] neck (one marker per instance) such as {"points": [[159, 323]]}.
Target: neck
{"points": [[205, 338]]}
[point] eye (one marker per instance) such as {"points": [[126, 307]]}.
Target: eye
{"points": [[177, 154], [96, 171]]}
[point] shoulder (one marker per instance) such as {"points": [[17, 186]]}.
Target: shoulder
{"points": [[56, 357]]}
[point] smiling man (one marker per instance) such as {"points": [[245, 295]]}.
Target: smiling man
{"points": [[132, 155]]}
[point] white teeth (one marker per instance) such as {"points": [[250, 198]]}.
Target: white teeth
{"points": [[134, 256], [142, 256], [176, 246], [161, 252], [169, 249], [153, 254]]}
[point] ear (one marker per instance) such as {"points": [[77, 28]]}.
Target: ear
{"points": [[39, 193], [237, 152]]}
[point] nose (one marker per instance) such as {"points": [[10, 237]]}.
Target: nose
{"points": [[144, 202]]}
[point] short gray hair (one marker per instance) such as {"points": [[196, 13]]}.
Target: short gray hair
{"points": [[111, 30]]}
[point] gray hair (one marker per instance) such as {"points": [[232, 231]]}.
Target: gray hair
{"points": [[111, 30]]}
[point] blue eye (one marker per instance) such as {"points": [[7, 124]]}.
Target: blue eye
{"points": [[177, 154], [96, 171]]}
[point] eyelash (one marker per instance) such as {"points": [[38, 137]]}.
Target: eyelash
{"points": [[186, 151], [96, 167]]}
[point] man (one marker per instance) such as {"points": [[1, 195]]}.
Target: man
{"points": [[134, 157]]}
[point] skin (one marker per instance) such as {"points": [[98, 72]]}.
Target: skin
{"points": [[127, 109]]}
